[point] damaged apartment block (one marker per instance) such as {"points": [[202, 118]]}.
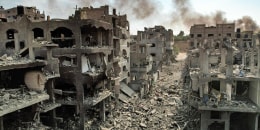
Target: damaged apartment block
{"points": [[149, 50], [224, 71], [62, 72]]}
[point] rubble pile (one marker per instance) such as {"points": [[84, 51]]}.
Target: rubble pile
{"points": [[165, 108], [14, 60], [10, 99]]}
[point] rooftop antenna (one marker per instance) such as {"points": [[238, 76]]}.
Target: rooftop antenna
{"points": [[76, 7]]}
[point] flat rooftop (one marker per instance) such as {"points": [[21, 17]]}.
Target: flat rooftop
{"points": [[14, 99], [20, 63], [238, 104]]}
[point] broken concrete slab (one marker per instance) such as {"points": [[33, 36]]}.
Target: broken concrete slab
{"points": [[127, 90]]}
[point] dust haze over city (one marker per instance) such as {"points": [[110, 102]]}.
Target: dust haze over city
{"points": [[129, 64], [175, 14]]}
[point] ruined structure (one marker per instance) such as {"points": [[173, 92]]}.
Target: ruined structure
{"points": [[224, 71], [150, 48], [84, 60], [16, 13]]}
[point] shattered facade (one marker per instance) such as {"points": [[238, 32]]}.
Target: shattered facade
{"points": [[82, 61], [16, 13], [224, 76], [149, 49]]}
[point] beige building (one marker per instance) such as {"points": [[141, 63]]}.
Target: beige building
{"points": [[224, 72], [87, 59], [200, 32], [148, 51], [16, 13]]}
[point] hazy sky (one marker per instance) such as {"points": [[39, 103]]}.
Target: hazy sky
{"points": [[157, 12]]}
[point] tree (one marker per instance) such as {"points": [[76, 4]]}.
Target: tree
{"points": [[181, 34]]}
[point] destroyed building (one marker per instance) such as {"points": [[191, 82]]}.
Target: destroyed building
{"points": [[84, 60], [224, 76], [149, 49], [16, 13]]}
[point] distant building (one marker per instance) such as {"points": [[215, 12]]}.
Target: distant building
{"points": [[224, 71], [14, 14], [149, 50], [89, 52]]}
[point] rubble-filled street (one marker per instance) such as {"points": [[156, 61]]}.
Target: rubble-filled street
{"points": [[115, 65], [164, 108]]}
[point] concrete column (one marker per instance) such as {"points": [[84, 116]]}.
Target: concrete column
{"points": [[206, 89], [205, 62], [256, 122], [234, 91], [222, 85], [252, 61], [226, 117], [223, 57], [80, 99], [77, 36], [243, 57], [99, 37], [109, 98], [195, 43], [201, 90], [110, 38], [253, 121], [258, 61], [204, 120], [204, 67], [102, 111], [229, 90], [50, 87], [30, 45], [1, 123], [229, 73], [16, 42], [220, 45], [48, 35], [212, 43], [195, 84], [117, 91]]}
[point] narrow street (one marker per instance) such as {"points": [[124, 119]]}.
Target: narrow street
{"points": [[165, 108]]}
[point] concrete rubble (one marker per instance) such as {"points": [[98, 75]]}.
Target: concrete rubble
{"points": [[88, 72], [165, 108], [224, 76]]}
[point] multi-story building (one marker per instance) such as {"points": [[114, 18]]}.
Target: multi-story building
{"points": [[149, 50], [200, 32], [24, 79], [224, 71], [16, 13], [120, 43], [92, 48]]}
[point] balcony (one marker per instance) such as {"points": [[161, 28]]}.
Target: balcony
{"points": [[84, 49], [88, 101], [20, 63], [239, 104]]}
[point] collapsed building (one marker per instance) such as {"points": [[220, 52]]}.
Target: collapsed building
{"points": [[84, 60], [149, 49], [224, 76]]}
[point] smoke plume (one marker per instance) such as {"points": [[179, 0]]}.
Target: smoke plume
{"points": [[141, 9], [148, 12], [247, 23], [189, 17]]}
